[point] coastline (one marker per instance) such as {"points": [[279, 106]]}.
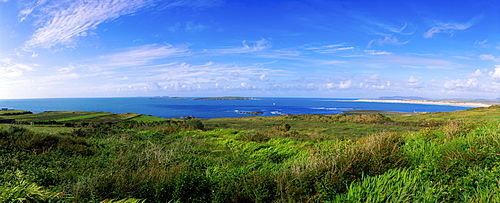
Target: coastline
{"points": [[447, 103]]}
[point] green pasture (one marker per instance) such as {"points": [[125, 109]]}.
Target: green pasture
{"points": [[147, 118], [52, 116], [77, 117], [13, 112], [81, 117]]}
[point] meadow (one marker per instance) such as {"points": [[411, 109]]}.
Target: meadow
{"points": [[363, 157]]}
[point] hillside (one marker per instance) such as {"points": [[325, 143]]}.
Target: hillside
{"points": [[99, 156]]}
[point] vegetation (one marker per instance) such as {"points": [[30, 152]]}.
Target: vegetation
{"points": [[14, 112], [435, 157]]}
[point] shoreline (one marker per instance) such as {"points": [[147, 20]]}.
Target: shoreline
{"points": [[446, 103]]}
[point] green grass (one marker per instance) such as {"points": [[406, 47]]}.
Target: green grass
{"points": [[435, 157], [51, 116], [148, 118], [75, 117], [82, 117], [14, 112]]}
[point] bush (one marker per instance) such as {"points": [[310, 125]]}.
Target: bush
{"points": [[283, 127], [194, 124]]}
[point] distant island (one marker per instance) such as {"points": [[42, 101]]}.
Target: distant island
{"points": [[208, 98]]}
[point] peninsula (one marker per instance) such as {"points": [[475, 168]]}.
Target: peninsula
{"points": [[447, 103]]}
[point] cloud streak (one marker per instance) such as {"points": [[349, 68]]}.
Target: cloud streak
{"points": [[142, 55], [328, 49], [63, 22], [450, 27], [10, 69], [256, 46]]}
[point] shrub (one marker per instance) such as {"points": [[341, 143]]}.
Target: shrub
{"points": [[255, 136], [283, 127], [194, 124]]}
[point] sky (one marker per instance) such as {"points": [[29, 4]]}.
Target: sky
{"points": [[273, 48]]}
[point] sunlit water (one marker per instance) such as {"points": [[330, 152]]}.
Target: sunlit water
{"points": [[170, 108]]}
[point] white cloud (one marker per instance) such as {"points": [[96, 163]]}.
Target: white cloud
{"points": [[153, 86], [413, 81], [476, 74], [256, 47], [66, 69], [191, 26], [431, 32], [342, 85], [481, 42], [376, 52], [496, 74], [387, 40], [263, 77], [486, 57], [458, 83], [62, 22], [373, 78], [10, 69], [345, 84]]}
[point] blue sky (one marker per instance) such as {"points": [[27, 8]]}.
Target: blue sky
{"points": [[275, 48]]}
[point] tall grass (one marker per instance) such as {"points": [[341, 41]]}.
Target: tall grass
{"points": [[182, 161]]}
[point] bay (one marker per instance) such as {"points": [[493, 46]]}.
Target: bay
{"points": [[175, 108]]}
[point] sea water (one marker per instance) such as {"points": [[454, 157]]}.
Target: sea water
{"points": [[175, 108]]}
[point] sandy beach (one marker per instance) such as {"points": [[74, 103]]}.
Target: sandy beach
{"points": [[448, 103]]}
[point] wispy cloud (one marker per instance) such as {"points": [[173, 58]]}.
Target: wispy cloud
{"points": [[63, 22], [141, 55], [486, 57], [196, 4], [255, 46], [418, 62], [450, 27], [377, 52], [10, 69], [391, 40], [402, 31], [189, 26], [384, 29], [328, 49]]}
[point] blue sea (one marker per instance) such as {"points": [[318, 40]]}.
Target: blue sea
{"points": [[176, 108]]}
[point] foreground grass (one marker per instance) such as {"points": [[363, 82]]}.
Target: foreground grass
{"points": [[304, 158]]}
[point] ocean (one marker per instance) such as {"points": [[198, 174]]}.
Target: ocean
{"points": [[176, 108]]}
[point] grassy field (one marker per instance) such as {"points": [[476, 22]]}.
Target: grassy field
{"points": [[104, 157], [13, 112], [73, 117]]}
